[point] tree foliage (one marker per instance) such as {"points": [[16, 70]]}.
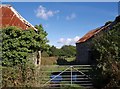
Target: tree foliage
{"points": [[17, 43], [66, 50], [69, 50], [107, 44]]}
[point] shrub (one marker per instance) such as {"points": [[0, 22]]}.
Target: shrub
{"points": [[107, 69]]}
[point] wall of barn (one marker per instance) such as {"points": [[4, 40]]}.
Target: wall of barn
{"points": [[83, 55]]}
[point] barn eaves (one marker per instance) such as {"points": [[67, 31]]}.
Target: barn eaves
{"points": [[10, 17]]}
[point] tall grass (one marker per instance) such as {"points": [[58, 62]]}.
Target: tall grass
{"points": [[49, 60]]}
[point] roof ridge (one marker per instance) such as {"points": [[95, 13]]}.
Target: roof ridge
{"points": [[21, 18], [5, 5], [91, 33]]}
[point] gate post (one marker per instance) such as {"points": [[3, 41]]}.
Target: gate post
{"points": [[71, 74]]}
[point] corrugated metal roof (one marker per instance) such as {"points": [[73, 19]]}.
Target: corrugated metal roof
{"points": [[10, 17], [91, 33]]}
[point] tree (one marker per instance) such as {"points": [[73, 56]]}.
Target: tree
{"points": [[107, 69], [108, 22], [65, 50], [69, 50], [42, 38], [53, 51], [18, 43]]}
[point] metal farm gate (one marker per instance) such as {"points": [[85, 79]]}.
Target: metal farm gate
{"points": [[65, 76]]}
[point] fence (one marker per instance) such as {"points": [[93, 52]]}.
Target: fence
{"points": [[51, 76], [62, 76]]}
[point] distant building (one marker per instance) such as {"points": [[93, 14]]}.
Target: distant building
{"points": [[84, 44]]}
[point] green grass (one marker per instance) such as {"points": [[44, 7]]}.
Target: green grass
{"points": [[49, 60], [73, 86], [70, 59], [53, 60]]}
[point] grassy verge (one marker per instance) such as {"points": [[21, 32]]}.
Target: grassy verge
{"points": [[49, 60], [70, 59]]}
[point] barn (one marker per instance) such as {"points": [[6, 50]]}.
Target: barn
{"points": [[84, 45], [10, 17]]}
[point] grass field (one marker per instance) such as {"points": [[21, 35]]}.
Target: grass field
{"points": [[54, 60], [49, 60], [70, 59]]}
